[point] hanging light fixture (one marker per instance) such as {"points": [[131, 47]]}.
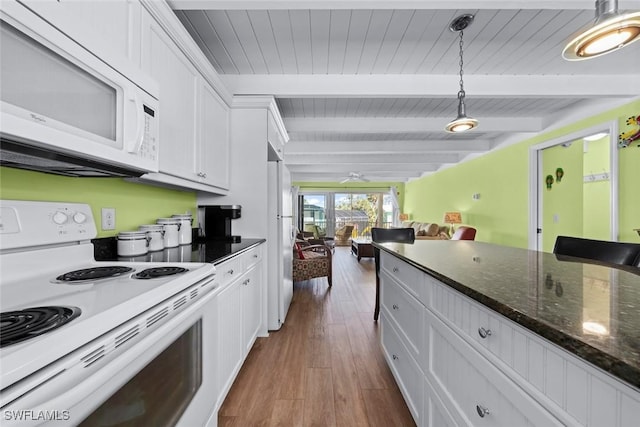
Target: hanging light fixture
{"points": [[462, 122], [610, 32]]}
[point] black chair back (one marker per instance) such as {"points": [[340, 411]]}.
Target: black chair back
{"points": [[400, 235], [620, 253], [384, 235]]}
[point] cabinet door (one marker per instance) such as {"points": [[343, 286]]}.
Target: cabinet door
{"points": [[229, 354], [178, 81], [213, 139], [105, 27], [404, 369], [251, 306]]}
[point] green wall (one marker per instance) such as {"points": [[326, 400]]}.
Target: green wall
{"points": [[501, 178], [135, 203]]}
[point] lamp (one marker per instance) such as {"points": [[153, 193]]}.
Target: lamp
{"points": [[609, 32], [462, 122], [452, 218]]}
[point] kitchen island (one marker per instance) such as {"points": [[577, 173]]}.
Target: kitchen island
{"points": [[557, 339]]}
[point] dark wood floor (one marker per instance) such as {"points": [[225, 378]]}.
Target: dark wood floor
{"points": [[324, 367]]}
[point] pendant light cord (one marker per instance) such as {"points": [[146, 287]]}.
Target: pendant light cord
{"points": [[461, 93]]}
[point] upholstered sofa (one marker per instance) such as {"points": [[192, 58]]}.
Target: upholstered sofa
{"points": [[428, 230]]}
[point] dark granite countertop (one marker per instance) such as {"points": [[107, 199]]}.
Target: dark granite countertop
{"points": [[213, 251], [217, 252], [590, 309]]}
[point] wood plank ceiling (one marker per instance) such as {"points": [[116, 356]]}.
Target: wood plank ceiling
{"points": [[368, 86]]}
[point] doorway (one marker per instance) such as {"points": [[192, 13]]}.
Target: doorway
{"points": [[573, 187]]}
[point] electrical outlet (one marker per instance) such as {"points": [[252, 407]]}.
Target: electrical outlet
{"points": [[108, 218]]}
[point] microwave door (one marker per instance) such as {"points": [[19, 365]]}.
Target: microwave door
{"points": [[48, 86]]}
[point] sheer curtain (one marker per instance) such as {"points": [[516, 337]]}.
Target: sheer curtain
{"points": [[393, 195]]}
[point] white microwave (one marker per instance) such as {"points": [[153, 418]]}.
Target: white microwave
{"points": [[61, 103]]}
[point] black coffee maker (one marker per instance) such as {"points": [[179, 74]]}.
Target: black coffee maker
{"points": [[215, 222]]}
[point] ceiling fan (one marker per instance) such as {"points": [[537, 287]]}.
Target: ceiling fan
{"points": [[354, 177]]}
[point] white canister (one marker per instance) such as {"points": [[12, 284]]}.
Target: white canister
{"points": [[186, 221], [155, 233], [171, 231], [132, 243]]}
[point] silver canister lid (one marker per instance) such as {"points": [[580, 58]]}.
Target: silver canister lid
{"points": [[132, 235]]}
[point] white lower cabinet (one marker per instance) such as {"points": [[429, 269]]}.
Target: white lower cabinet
{"points": [[239, 316], [475, 391], [404, 368], [251, 308], [229, 352], [434, 412], [474, 367]]}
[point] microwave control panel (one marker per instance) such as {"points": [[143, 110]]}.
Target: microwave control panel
{"points": [[149, 145]]}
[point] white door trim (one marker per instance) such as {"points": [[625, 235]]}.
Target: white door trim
{"points": [[535, 174]]}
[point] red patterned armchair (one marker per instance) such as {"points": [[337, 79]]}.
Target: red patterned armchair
{"points": [[311, 261]]}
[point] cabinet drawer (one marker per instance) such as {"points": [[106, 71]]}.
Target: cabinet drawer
{"points": [[475, 391], [474, 322], [405, 310], [405, 370], [229, 270], [252, 257], [408, 276]]}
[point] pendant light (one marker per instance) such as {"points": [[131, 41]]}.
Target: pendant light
{"points": [[609, 32], [462, 122]]}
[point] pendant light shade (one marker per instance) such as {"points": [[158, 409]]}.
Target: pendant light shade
{"points": [[461, 123], [610, 32]]}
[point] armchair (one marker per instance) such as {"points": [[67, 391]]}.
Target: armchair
{"points": [[312, 261], [343, 234], [318, 233]]}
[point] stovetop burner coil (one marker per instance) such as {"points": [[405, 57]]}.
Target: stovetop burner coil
{"points": [[93, 273], [155, 272], [20, 325]]}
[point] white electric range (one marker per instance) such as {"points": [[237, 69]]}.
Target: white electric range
{"points": [[72, 327]]}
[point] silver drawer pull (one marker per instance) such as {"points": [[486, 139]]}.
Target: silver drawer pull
{"points": [[395, 306], [484, 332], [230, 271], [482, 411], [394, 357], [395, 269]]}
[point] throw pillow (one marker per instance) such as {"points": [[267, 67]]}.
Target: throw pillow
{"points": [[432, 229]]}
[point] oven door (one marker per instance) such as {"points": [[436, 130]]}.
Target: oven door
{"points": [[165, 379]]}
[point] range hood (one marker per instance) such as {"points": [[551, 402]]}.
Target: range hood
{"points": [[21, 156]]}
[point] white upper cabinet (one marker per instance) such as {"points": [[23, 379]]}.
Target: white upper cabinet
{"points": [[194, 119], [178, 81], [108, 28], [275, 138], [213, 159]]}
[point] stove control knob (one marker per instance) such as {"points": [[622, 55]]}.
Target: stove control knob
{"points": [[60, 218], [79, 218]]}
